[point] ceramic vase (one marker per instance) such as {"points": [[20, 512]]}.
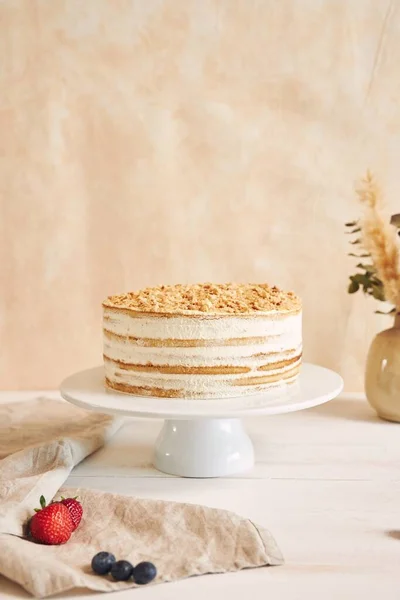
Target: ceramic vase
{"points": [[382, 376]]}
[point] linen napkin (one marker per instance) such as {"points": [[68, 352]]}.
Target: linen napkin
{"points": [[40, 443]]}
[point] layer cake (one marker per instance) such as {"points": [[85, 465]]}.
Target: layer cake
{"points": [[202, 341]]}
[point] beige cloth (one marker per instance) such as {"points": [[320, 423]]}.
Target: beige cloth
{"points": [[40, 443]]}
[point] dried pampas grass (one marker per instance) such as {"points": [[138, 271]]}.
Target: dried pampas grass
{"points": [[378, 238]]}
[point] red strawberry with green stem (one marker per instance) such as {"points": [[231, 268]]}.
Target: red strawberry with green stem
{"points": [[75, 509], [51, 524]]}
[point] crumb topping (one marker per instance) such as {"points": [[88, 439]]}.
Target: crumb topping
{"points": [[210, 298]]}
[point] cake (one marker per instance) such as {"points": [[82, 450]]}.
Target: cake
{"points": [[202, 341]]}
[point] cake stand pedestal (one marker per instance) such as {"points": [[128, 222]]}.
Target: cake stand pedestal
{"points": [[203, 438], [203, 448]]}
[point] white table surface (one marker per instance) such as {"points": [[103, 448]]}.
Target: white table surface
{"points": [[326, 483]]}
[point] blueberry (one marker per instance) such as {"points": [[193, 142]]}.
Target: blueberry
{"points": [[121, 570], [144, 572], [102, 562]]}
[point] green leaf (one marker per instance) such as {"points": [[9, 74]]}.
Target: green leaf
{"points": [[353, 287], [37, 509], [376, 281], [368, 268], [360, 278], [381, 312], [42, 501], [357, 230], [359, 255], [378, 293]]}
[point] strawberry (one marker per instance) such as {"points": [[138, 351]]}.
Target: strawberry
{"points": [[75, 510], [51, 524]]}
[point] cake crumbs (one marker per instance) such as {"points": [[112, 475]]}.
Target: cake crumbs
{"points": [[208, 298]]}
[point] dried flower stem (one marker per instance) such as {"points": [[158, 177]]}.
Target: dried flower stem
{"points": [[378, 238]]}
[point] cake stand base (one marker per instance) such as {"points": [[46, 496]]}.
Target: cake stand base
{"points": [[203, 448]]}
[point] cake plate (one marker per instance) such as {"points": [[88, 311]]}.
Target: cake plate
{"points": [[203, 438]]}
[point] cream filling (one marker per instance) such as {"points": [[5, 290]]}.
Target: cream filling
{"points": [[183, 328], [124, 351]]}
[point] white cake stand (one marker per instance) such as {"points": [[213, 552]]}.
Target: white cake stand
{"points": [[203, 438]]}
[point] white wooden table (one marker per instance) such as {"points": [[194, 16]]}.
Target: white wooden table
{"points": [[326, 483]]}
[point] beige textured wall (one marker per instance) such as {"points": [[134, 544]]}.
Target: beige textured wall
{"points": [[157, 141]]}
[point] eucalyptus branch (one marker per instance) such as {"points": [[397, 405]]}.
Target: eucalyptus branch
{"points": [[366, 278]]}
